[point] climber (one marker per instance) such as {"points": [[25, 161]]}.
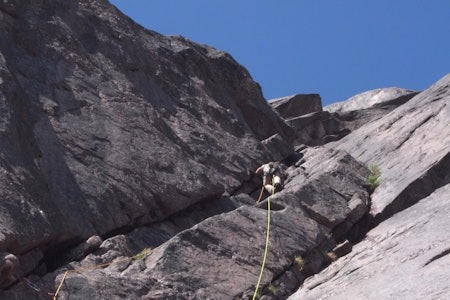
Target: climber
{"points": [[273, 176]]}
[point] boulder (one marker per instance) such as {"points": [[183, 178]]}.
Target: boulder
{"points": [[279, 149], [316, 129], [297, 105]]}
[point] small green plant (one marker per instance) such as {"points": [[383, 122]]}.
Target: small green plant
{"points": [[299, 261], [141, 255], [374, 177], [273, 290]]}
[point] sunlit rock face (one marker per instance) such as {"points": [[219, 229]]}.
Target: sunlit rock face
{"points": [[128, 158]]}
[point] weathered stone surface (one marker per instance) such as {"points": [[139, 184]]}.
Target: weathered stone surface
{"points": [[411, 147], [196, 257], [374, 98], [278, 148], [316, 128], [311, 125], [105, 125], [297, 105], [404, 257], [326, 183], [151, 142], [367, 107]]}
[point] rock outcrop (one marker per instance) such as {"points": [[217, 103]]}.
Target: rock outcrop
{"points": [[375, 98], [406, 254], [106, 125], [314, 126], [127, 164], [297, 105], [410, 145], [405, 257]]}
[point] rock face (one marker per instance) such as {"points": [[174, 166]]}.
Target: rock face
{"points": [[103, 129], [410, 145], [221, 255], [297, 105], [369, 106], [370, 99], [405, 257], [314, 126], [127, 164]]}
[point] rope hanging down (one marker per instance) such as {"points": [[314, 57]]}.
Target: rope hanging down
{"points": [[267, 240]]}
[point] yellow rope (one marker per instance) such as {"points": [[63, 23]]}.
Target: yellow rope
{"points": [[59, 286], [140, 255], [267, 244], [260, 194]]}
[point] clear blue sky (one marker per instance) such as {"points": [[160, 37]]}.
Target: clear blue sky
{"points": [[334, 48]]}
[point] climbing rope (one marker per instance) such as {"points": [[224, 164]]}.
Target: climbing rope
{"points": [[266, 248], [260, 194]]}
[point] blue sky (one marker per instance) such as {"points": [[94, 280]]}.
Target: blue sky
{"points": [[334, 48]]}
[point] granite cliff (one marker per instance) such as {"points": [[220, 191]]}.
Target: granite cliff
{"points": [[127, 164]]}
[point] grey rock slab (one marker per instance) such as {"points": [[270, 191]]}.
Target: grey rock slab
{"points": [[278, 147], [297, 105], [366, 107], [316, 128], [106, 125], [404, 257], [372, 98], [410, 145], [219, 257], [327, 185]]}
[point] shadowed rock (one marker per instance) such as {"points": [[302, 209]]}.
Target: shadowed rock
{"points": [[105, 125], [222, 254], [297, 105]]}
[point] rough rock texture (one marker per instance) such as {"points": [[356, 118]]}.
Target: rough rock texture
{"points": [[312, 126], [127, 164], [369, 106], [405, 257], [105, 125], [221, 255], [316, 128], [411, 147], [297, 105], [374, 98]]}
